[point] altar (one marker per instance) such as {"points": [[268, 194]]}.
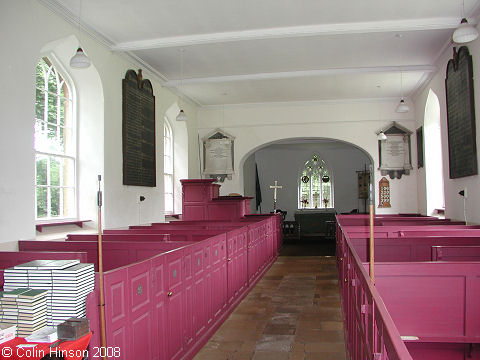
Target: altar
{"points": [[316, 222]]}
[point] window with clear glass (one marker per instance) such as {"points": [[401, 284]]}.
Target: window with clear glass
{"points": [[315, 190], [54, 144], [168, 166]]}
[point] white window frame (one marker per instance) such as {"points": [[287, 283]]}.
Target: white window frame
{"points": [[72, 155], [168, 155]]}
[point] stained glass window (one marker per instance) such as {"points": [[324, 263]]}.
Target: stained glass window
{"points": [[315, 190]]}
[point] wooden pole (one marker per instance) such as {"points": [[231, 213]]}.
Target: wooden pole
{"points": [[100, 273], [372, 234]]}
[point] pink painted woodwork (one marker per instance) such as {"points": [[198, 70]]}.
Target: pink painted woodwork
{"points": [[355, 220], [124, 235], [196, 194], [407, 249], [165, 298], [116, 253], [456, 253], [201, 202], [434, 301], [406, 230], [149, 234]]}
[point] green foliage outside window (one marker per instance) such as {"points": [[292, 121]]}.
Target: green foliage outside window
{"points": [[54, 145]]}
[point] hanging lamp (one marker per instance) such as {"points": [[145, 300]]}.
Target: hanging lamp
{"points": [[181, 115], [381, 136], [465, 32], [79, 60], [402, 107]]}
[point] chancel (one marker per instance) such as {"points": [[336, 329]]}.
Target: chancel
{"points": [[295, 100]]}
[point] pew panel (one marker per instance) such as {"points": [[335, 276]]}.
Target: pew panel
{"points": [[433, 301], [455, 253]]}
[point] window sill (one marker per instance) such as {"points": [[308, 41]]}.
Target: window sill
{"points": [[39, 226]]}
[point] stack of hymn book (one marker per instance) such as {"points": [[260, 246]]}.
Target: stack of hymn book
{"points": [[70, 289], [26, 308], [67, 283], [32, 311]]}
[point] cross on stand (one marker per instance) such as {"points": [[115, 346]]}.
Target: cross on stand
{"points": [[275, 187]]}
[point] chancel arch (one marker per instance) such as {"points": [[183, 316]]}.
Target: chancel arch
{"points": [[286, 160]]}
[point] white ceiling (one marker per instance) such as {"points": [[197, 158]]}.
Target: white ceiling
{"points": [[257, 51]]}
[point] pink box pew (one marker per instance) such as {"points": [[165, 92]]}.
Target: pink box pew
{"points": [[168, 306], [470, 231], [404, 230], [174, 235], [170, 226], [347, 220], [435, 302], [115, 254], [418, 222], [119, 237], [407, 249], [455, 253], [369, 327], [370, 332]]}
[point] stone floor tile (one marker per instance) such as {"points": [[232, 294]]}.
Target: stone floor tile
{"points": [[277, 343], [320, 347], [297, 356], [326, 356], [279, 329], [270, 355]]}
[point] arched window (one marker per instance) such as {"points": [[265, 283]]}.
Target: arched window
{"points": [[54, 144], [168, 167], [315, 189], [433, 155]]}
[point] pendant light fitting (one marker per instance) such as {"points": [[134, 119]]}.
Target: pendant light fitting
{"points": [[79, 60], [402, 107], [181, 115], [465, 32]]}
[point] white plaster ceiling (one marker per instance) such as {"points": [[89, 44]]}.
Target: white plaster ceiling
{"points": [[257, 51]]}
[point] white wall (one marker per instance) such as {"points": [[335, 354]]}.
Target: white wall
{"points": [[453, 202], [354, 122], [29, 30], [284, 163]]}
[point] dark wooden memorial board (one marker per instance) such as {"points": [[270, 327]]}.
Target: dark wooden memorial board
{"points": [[139, 165], [462, 148], [420, 147]]}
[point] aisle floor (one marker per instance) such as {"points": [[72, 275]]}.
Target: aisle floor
{"points": [[293, 313]]}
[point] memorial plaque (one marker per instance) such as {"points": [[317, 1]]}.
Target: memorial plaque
{"points": [[139, 164], [394, 152], [218, 155], [420, 147], [462, 148]]}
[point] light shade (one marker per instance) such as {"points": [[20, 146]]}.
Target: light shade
{"points": [[181, 116], [465, 32], [402, 107], [381, 136], [80, 60]]}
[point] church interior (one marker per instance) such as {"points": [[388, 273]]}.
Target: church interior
{"points": [[309, 109]]}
